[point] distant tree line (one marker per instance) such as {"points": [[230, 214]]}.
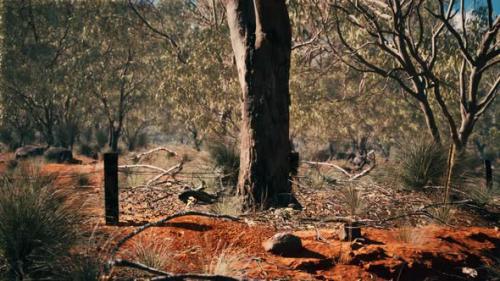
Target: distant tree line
{"points": [[111, 73]]}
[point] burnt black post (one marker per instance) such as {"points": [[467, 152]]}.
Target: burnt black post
{"points": [[489, 173], [111, 188]]}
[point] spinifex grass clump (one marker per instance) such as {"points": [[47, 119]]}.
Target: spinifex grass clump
{"points": [[152, 252], [230, 206], [421, 162], [227, 261], [36, 226], [353, 201]]}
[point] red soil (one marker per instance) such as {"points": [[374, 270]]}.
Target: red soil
{"points": [[194, 242], [439, 252]]}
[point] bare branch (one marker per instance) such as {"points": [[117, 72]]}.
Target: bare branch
{"points": [[169, 38], [489, 98], [445, 19], [308, 42], [163, 275], [140, 229]]}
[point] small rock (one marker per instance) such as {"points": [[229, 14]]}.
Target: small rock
{"points": [[284, 243], [471, 272]]}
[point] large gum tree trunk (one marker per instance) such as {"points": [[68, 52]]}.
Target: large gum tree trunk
{"points": [[261, 40]]}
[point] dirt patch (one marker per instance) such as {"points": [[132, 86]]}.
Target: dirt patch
{"points": [[194, 242]]}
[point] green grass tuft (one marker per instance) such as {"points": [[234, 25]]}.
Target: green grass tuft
{"points": [[36, 227], [421, 162]]}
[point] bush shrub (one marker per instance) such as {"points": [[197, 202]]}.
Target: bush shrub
{"points": [[36, 227], [87, 150], [421, 162], [353, 201], [101, 138], [230, 206], [152, 252], [227, 160]]}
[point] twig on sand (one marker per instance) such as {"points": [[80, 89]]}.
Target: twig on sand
{"points": [[194, 276], [162, 221], [137, 265], [163, 275]]}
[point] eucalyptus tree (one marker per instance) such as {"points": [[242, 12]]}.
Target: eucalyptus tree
{"points": [[38, 64], [335, 104], [412, 37], [199, 90], [121, 64], [261, 39]]}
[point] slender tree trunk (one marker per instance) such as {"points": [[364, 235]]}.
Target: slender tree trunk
{"points": [[261, 39], [110, 134], [465, 130], [49, 135], [430, 120], [114, 140], [114, 136]]}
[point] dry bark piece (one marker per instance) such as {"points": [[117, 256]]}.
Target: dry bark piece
{"points": [[283, 243]]}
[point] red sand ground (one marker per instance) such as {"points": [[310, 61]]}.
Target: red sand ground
{"points": [[437, 251], [193, 242]]}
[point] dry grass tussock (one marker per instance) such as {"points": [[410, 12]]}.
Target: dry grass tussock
{"points": [[227, 206], [151, 252], [228, 261], [411, 235]]}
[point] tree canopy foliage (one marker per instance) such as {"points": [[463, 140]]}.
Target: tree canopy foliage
{"points": [[74, 72]]}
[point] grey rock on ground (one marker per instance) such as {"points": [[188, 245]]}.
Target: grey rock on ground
{"points": [[28, 151], [58, 155]]}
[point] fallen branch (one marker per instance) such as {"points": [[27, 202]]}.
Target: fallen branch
{"points": [[364, 172], [163, 275], [139, 266], [162, 197], [351, 177], [162, 221], [138, 156], [151, 167], [329, 165], [171, 171], [332, 219], [193, 276], [422, 211]]}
